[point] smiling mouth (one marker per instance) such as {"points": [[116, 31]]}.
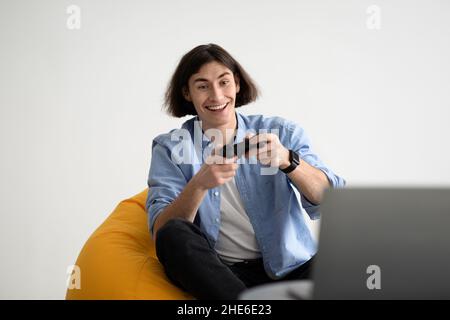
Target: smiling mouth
{"points": [[217, 107]]}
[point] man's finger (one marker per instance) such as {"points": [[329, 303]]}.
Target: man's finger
{"points": [[230, 160], [217, 149], [218, 159], [262, 137], [249, 135]]}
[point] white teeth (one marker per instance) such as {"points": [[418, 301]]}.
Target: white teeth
{"points": [[217, 107]]}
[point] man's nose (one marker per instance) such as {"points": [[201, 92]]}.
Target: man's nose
{"points": [[216, 93]]}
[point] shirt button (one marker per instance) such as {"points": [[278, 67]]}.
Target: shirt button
{"points": [[217, 220], [216, 193]]}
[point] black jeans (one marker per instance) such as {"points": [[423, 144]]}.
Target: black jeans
{"points": [[193, 265]]}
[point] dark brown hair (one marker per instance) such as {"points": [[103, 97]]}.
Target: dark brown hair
{"points": [[174, 101]]}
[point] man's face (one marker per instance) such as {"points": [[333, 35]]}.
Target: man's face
{"points": [[213, 92]]}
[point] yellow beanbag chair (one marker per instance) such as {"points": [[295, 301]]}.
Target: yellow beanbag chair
{"points": [[119, 259]]}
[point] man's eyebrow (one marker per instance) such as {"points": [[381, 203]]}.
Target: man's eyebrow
{"points": [[203, 79]]}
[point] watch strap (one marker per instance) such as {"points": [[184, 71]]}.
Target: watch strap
{"points": [[294, 160]]}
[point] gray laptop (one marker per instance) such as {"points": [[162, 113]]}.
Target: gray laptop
{"points": [[384, 243]]}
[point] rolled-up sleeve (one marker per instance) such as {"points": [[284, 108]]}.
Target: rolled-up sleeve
{"points": [[299, 142], [165, 182]]}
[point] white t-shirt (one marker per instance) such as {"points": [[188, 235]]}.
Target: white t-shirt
{"points": [[236, 241]]}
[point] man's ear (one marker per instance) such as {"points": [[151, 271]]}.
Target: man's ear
{"points": [[186, 94], [236, 80]]}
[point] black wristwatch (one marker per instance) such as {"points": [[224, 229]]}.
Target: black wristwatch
{"points": [[294, 159]]}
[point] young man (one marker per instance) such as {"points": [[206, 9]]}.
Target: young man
{"points": [[223, 224]]}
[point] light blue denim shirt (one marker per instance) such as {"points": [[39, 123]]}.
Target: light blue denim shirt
{"points": [[274, 209]]}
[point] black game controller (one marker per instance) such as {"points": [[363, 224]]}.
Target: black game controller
{"points": [[239, 149]]}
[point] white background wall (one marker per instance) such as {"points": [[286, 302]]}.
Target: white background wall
{"points": [[79, 108]]}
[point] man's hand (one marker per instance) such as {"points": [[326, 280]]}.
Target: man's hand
{"points": [[216, 171], [272, 152]]}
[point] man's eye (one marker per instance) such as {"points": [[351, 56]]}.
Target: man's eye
{"points": [[201, 87], [225, 82]]}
